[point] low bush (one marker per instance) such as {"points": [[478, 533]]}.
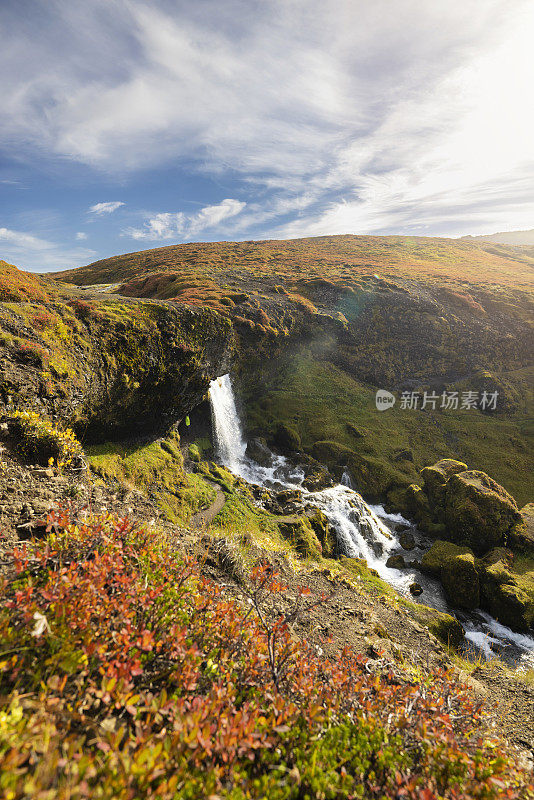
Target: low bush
{"points": [[126, 674], [30, 353], [38, 439]]}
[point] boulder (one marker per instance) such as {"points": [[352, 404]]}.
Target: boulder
{"points": [[317, 479], [435, 478], [289, 496], [286, 438], [460, 581], [477, 511], [443, 626], [512, 606], [435, 559], [300, 533], [258, 451], [396, 561], [407, 540], [416, 589]]}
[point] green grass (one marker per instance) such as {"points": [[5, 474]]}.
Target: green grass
{"points": [[156, 469], [320, 400]]}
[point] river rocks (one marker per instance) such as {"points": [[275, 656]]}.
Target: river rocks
{"points": [[443, 626], [512, 606], [396, 561], [438, 555], [300, 533], [258, 451], [487, 583], [416, 589], [407, 540], [317, 479]]}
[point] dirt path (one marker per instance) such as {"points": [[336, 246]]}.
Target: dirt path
{"points": [[204, 518]]}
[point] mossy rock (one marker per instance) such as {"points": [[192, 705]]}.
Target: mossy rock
{"points": [[461, 582], [512, 606], [478, 511], [300, 533], [322, 529], [396, 499], [396, 561], [444, 627], [435, 559], [521, 534], [286, 438], [418, 506]]}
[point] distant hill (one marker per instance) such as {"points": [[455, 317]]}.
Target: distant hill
{"points": [[333, 257], [514, 238]]}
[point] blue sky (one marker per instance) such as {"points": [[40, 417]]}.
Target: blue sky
{"points": [[128, 124]]}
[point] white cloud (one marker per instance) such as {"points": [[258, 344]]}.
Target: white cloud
{"points": [[32, 252], [105, 208], [383, 115], [169, 225], [81, 236]]}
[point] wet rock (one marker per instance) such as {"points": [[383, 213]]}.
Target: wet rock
{"points": [[407, 540], [317, 479], [289, 496], [416, 589], [396, 561], [258, 451]]}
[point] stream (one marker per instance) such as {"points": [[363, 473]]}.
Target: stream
{"points": [[363, 531]]}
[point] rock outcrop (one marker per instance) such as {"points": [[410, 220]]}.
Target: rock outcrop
{"points": [[464, 506]]}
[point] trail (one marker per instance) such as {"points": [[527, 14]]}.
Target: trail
{"points": [[204, 518]]}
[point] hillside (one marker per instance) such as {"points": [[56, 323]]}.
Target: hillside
{"points": [[324, 322]]}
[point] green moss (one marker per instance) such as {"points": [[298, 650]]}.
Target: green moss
{"points": [[446, 628], [299, 532], [156, 469]]}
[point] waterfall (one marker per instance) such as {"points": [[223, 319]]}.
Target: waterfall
{"points": [[229, 438], [361, 529]]}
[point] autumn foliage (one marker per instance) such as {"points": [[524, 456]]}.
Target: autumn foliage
{"points": [[126, 674]]}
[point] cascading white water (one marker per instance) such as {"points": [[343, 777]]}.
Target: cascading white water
{"points": [[359, 527], [231, 444]]}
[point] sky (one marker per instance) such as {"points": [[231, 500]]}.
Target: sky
{"points": [[128, 125]]}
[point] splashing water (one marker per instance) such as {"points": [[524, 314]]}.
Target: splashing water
{"points": [[360, 528]]}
